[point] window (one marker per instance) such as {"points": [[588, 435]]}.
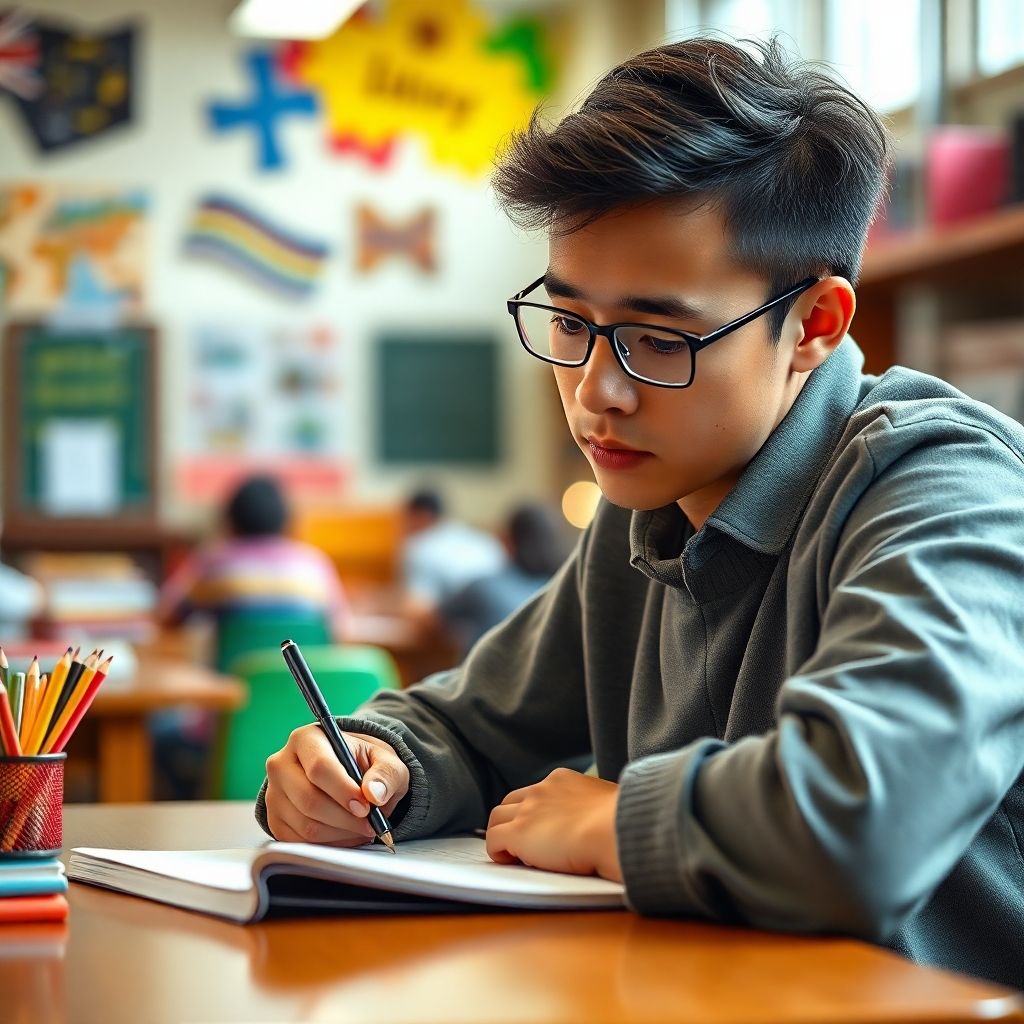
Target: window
{"points": [[1000, 35]]}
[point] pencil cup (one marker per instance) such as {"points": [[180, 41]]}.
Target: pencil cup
{"points": [[31, 805]]}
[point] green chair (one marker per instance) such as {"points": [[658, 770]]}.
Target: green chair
{"points": [[348, 676], [242, 632]]}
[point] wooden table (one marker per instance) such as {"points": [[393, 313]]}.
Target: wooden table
{"points": [[118, 717], [126, 960]]}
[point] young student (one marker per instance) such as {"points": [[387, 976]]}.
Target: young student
{"points": [[537, 546], [441, 555], [255, 566], [792, 638]]}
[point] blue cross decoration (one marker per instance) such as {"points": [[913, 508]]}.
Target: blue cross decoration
{"points": [[271, 102]]}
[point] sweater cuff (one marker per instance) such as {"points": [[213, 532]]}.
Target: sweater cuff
{"points": [[411, 813], [654, 815]]}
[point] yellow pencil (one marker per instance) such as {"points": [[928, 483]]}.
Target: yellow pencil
{"points": [[29, 703], [69, 709], [50, 696]]}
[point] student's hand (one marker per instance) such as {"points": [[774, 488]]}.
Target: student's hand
{"points": [[312, 799], [565, 823]]}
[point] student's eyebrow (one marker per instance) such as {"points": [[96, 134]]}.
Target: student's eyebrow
{"points": [[657, 305]]}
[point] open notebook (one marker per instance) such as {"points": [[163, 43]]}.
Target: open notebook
{"points": [[425, 875]]}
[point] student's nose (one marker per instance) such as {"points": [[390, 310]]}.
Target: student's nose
{"points": [[604, 386]]}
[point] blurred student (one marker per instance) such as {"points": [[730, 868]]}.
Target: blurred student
{"points": [[442, 555], [255, 567], [537, 546], [21, 600]]}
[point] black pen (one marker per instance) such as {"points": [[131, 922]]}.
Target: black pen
{"points": [[322, 713]]}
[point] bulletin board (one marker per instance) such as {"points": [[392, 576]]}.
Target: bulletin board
{"points": [[438, 400], [79, 421]]}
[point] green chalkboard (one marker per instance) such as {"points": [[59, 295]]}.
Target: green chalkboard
{"points": [[438, 399], [99, 381]]}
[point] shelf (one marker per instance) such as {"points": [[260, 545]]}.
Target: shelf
{"points": [[932, 252]]}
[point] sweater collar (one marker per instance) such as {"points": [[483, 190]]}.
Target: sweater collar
{"points": [[762, 510]]}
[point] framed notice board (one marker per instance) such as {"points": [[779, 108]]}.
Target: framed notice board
{"points": [[438, 399], [79, 422]]}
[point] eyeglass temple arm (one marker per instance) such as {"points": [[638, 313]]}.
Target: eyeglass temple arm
{"points": [[529, 288], [742, 321]]}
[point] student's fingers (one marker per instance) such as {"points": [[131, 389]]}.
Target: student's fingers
{"points": [[313, 803], [496, 842], [289, 824], [386, 780], [500, 815], [321, 765]]}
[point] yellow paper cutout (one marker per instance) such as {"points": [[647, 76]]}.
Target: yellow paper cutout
{"points": [[422, 68]]}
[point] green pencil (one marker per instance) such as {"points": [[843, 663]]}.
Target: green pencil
{"points": [[16, 692]]}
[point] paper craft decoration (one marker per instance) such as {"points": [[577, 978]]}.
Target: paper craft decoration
{"points": [[423, 68], [85, 85], [232, 235], [19, 56], [273, 100], [378, 239], [67, 248]]}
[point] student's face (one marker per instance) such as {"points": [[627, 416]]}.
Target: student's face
{"points": [[696, 440]]}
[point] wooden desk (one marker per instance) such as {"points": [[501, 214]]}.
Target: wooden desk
{"points": [[118, 719], [126, 960]]}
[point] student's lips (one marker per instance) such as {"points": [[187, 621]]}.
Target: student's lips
{"points": [[611, 455]]}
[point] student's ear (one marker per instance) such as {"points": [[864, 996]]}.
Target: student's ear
{"points": [[823, 315]]}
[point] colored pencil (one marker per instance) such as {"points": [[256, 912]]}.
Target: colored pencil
{"points": [[9, 735], [4, 666], [16, 693], [30, 701], [82, 707], [69, 709], [50, 697], [67, 688]]}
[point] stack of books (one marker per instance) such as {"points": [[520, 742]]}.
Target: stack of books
{"points": [[32, 889], [103, 596]]}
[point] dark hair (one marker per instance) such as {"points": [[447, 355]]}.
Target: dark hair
{"points": [[795, 161], [257, 508], [426, 500], [538, 540]]}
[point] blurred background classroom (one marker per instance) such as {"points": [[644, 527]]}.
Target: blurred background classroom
{"points": [[258, 378]]}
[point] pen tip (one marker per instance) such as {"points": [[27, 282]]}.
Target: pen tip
{"points": [[385, 838]]}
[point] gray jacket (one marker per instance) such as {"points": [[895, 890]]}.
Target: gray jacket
{"points": [[814, 705]]}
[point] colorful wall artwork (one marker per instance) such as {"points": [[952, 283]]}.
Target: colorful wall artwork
{"points": [[233, 235], [61, 246], [438, 71], [265, 396], [69, 86], [19, 56], [273, 99], [378, 239]]}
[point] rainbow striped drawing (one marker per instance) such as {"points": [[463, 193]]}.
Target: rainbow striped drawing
{"points": [[230, 234]]}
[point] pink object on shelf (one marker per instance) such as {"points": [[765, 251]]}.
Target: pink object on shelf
{"points": [[967, 172]]}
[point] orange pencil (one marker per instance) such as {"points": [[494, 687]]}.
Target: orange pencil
{"points": [[69, 708], [82, 707], [8, 733], [50, 697], [30, 701]]}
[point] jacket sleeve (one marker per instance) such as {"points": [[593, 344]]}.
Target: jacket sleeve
{"points": [[513, 711], [895, 742]]}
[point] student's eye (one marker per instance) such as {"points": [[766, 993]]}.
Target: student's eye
{"points": [[566, 325], [663, 346]]}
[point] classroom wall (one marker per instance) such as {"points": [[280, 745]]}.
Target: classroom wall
{"points": [[187, 57]]}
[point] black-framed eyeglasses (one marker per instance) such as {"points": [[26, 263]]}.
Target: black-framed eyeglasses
{"points": [[648, 353]]}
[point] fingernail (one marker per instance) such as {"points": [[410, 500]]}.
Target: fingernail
{"points": [[379, 790], [357, 807]]}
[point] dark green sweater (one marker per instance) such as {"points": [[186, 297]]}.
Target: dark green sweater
{"points": [[814, 705]]}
